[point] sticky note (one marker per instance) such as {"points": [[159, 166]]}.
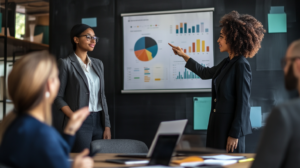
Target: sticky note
{"points": [[277, 23], [202, 108], [92, 22], [277, 9], [255, 117]]}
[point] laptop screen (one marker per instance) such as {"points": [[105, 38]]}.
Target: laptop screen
{"points": [[163, 149]]}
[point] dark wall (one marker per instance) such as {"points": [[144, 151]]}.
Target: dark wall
{"points": [[137, 116]]}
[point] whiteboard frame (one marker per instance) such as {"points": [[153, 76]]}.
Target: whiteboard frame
{"points": [[168, 12], [140, 91], [164, 91]]}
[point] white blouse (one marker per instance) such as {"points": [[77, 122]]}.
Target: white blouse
{"points": [[94, 84]]}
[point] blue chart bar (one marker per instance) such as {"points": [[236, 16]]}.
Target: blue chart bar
{"points": [[187, 75], [189, 30], [198, 28], [206, 30], [185, 28], [176, 31], [202, 27], [181, 30], [193, 29]]}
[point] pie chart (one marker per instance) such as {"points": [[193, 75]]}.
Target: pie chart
{"points": [[145, 49]]}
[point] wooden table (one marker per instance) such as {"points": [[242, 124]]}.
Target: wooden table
{"points": [[101, 157]]}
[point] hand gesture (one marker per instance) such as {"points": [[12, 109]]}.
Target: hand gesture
{"points": [[177, 50], [76, 120], [231, 144], [82, 160]]}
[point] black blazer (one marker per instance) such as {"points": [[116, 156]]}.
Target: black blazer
{"points": [[74, 88], [279, 144], [230, 108]]}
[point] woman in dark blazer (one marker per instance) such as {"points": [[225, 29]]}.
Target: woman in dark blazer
{"points": [[82, 84], [229, 119]]}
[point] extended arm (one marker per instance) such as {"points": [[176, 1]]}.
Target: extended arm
{"points": [[201, 71]]}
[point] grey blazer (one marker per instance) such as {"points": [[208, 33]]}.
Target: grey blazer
{"points": [[74, 90], [280, 142]]}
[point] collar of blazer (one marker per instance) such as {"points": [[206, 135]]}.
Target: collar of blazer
{"points": [[78, 68], [225, 70]]}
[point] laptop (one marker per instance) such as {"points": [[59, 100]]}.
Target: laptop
{"points": [[162, 152], [166, 127]]}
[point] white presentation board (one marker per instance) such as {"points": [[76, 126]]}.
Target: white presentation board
{"points": [[149, 62]]}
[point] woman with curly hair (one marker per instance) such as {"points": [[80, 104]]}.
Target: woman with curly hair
{"points": [[229, 120]]}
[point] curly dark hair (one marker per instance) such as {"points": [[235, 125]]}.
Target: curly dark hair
{"points": [[244, 33]]}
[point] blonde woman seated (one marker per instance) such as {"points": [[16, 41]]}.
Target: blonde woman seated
{"points": [[26, 136]]}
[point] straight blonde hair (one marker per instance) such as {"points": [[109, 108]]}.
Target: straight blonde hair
{"points": [[27, 86]]}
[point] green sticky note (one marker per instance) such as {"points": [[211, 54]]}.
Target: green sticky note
{"points": [[277, 23], [0, 22], [92, 22], [202, 108]]}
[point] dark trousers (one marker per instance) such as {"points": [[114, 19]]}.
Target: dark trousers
{"points": [[91, 129]]}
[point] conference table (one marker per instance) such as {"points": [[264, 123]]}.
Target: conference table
{"points": [[99, 160]]}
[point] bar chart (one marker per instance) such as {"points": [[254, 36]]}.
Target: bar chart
{"points": [[182, 28], [197, 47], [187, 75]]}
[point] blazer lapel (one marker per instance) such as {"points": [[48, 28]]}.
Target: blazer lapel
{"points": [[78, 68], [225, 70], [96, 68]]}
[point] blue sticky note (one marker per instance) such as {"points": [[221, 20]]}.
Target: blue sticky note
{"points": [[277, 9], [202, 108], [255, 117], [92, 22], [0, 22], [277, 23]]}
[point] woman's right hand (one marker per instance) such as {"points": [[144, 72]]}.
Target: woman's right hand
{"points": [[179, 51], [82, 160], [76, 120]]}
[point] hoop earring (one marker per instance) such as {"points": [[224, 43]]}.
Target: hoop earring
{"points": [[47, 94]]}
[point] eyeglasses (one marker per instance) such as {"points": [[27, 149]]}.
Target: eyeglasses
{"points": [[285, 60], [89, 37]]}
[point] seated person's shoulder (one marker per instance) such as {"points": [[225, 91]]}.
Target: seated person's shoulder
{"points": [[32, 128], [291, 106], [289, 111]]}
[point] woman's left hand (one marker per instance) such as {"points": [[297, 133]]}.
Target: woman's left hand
{"points": [[231, 144], [107, 134]]}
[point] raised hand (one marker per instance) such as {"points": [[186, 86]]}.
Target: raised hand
{"points": [[179, 51], [76, 120]]}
